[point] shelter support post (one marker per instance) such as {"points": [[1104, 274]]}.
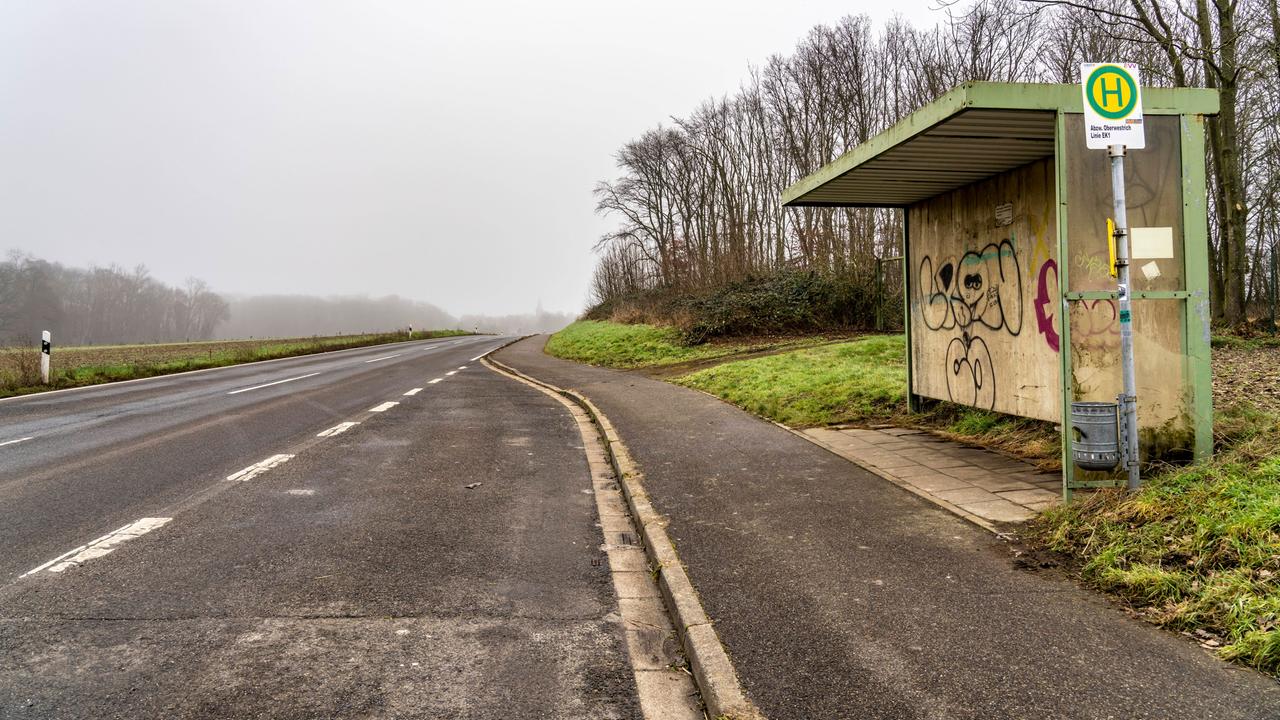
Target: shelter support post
{"points": [[1196, 314], [913, 402]]}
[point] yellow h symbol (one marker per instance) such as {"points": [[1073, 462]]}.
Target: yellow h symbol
{"points": [[1104, 91]]}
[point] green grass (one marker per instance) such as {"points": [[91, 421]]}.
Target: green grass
{"points": [[629, 346], [846, 382], [1197, 548], [94, 365]]}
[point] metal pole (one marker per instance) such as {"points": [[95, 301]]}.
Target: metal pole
{"points": [[1129, 399], [46, 346], [879, 299]]}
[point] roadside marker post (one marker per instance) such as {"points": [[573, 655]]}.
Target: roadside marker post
{"points": [[1113, 122], [46, 347]]}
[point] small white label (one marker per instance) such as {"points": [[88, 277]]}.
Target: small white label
{"points": [[1151, 242], [1151, 270]]}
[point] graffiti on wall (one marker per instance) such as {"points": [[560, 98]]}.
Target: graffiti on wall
{"points": [[979, 292]]}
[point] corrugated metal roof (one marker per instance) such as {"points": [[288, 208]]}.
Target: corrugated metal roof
{"points": [[959, 150], [973, 132]]}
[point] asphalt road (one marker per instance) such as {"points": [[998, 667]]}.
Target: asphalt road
{"points": [[347, 573]]}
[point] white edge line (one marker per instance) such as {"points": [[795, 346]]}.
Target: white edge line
{"points": [[258, 387], [436, 342], [478, 357], [385, 357], [258, 468], [337, 429], [128, 532], [14, 442]]}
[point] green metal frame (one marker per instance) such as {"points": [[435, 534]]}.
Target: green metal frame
{"points": [[1191, 104], [1064, 310], [996, 96], [1196, 313]]}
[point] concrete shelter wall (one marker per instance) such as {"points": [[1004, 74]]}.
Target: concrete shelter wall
{"points": [[984, 294]]}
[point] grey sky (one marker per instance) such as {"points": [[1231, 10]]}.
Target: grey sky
{"points": [[444, 152]]}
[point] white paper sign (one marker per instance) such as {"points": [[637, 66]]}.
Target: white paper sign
{"points": [[1112, 105]]}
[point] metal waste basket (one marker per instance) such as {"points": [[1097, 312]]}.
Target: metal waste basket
{"points": [[1097, 442]]}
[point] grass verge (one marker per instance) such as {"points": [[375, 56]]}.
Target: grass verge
{"points": [[1197, 549], [95, 365]]}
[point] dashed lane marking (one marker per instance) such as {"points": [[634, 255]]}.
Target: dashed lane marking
{"points": [[452, 372], [413, 392], [15, 442], [462, 367], [277, 382], [384, 357], [102, 546], [433, 382], [337, 429], [383, 407], [477, 357], [258, 468]]}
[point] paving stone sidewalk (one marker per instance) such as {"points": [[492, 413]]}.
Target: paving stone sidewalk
{"points": [[968, 481]]}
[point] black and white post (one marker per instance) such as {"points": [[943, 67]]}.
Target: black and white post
{"points": [[1128, 399], [46, 347]]}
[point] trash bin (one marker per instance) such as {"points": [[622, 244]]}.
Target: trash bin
{"points": [[1097, 442]]}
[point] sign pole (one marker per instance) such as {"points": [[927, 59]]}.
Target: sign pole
{"points": [[1129, 399], [46, 346]]}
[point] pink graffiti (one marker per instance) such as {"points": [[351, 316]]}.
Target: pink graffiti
{"points": [[1044, 318]]}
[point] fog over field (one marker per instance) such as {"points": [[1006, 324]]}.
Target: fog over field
{"points": [[441, 153], [112, 305]]}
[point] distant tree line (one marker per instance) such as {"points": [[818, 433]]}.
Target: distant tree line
{"points": [[101, 305], [111, 305], [698, 200]]}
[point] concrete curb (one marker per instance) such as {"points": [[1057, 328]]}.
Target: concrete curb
{"points": [[716, 679]]}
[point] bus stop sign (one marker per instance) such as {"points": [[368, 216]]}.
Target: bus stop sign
{"points": [[1112, 105]]}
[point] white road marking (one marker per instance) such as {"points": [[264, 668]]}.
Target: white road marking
{"points": [[337, 429], [383, 407], [102, 546], [462, 367], [477, 357], [433, 382], [258, 468], [257, 387], [15, 442], [452, 372], [413, 392], [385, 357]]}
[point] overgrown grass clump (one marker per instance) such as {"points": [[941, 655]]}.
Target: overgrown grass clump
{"points": [[628, 346], [1197, 548], [847, 382]]}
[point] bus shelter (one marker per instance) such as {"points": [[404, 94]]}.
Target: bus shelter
{"points": [[1010, 299]]}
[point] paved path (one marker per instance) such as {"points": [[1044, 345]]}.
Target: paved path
{"points": [[987, 487], [840, 595], [360, 577]]}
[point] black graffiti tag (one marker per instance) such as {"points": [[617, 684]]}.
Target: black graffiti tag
{"points": [[981, 291]]}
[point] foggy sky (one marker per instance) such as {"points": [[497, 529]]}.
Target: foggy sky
{"points": [[442, 152]]}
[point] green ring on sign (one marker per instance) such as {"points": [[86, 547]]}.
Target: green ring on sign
{"points": [[1125, 77]]}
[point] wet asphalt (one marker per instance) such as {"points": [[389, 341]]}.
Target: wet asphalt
{"points": [[361, 578], [840, 595]]}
